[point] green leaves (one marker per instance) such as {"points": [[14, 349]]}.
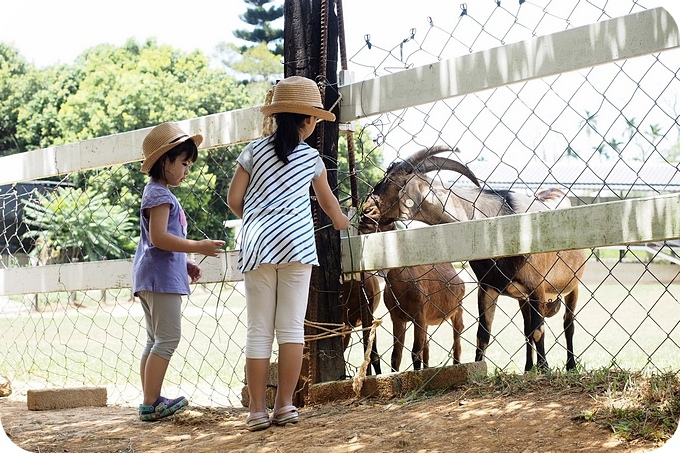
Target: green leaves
{"points": [[72, 224], [108, 90]]}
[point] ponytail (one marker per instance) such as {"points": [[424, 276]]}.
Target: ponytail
{"points": [[287, 135]]}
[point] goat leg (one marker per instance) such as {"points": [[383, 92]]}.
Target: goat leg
{"points": [[538, 333], [366, 317], [419, 343], [486, 303], [426, 352], [458, 326], [399, 333], [375, 358], [569, 314], [525, 308]]}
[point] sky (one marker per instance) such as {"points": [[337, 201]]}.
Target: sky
{"points": [[47, 32]]}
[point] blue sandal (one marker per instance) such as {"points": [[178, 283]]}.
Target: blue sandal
{"points": [[162, 408]]}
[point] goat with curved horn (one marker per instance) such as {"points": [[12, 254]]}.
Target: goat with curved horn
{"points": [[541, 282], [425, 161]]}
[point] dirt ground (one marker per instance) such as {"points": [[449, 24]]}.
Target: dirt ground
{"points": [[540, 420]]}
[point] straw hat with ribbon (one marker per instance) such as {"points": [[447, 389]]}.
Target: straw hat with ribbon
{"points": [[297, 94], [161, 139]]}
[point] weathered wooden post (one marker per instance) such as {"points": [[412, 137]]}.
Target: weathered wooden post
{"points": [[311, 50]]}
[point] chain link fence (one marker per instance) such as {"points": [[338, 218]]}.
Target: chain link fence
{"points": [[600, 134]]}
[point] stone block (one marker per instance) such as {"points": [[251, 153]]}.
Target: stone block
{"points": [[41, 400], [397, 384]]}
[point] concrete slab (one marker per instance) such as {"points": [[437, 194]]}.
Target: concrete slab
{"points": [[40, 400], [398, 384]]}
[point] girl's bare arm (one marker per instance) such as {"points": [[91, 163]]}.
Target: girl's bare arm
{"points": [[328, 202], [237, 190], [158, 233]]}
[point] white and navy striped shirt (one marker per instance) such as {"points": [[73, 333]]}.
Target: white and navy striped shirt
{"points": [[277, 218]]}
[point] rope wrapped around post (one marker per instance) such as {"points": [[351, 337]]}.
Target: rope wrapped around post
{"points": [[338, 330]]}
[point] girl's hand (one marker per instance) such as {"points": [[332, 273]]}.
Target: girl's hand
{"points": [[194, 271], [341, 222], [209, 247]]}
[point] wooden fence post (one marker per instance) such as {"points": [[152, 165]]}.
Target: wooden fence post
{"points": [[311, 50]]}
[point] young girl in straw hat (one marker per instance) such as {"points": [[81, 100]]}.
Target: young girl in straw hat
{"points": [[270, 192], [161, 271]]}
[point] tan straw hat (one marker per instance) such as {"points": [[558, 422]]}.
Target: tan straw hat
{"points": [[297, 94], [162, 138]]}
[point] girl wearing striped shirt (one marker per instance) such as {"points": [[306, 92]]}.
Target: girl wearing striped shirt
{"points": [[270, 192]]}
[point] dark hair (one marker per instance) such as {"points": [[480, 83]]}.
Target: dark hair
{"points": [[187, 150], [287, 135]]}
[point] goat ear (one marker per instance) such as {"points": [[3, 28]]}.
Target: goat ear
{"points": [[442, 163]]}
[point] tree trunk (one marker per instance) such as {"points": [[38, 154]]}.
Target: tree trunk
{"points": [[311, 50]]}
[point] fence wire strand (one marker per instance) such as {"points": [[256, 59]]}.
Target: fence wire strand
{"points": [[601, 134]]}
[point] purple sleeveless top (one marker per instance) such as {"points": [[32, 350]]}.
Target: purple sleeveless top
{"points": [[155, 269]]}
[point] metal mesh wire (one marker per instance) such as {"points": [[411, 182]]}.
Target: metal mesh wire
{"points": [[606, 133]]}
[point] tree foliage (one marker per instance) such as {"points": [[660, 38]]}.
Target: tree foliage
{"points": [[262, 31], [17, 84], [109, 90], [257, 66], [368, 162], [72, 224], [137, 86], [112, 89]]}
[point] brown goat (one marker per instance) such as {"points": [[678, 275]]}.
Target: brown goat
{"points": [[540, 282], [355, 295], [425, 295]]}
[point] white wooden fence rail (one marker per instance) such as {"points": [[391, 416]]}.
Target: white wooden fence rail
{"points": [[630, 221]]}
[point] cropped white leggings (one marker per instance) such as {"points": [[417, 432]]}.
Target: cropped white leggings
{"points": [[276, 302]]}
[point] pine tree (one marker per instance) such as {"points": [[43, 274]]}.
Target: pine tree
{"points": [[260, 14]]}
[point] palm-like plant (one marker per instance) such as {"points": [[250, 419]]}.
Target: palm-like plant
{"points": [[72, 224]]}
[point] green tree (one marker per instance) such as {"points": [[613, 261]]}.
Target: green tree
{"points": [[673, 153], [39, 122], [109, 90], [590, 125], [654, 136], [136, 86], [368, 162], [260, 17], [17, 85], [197, 196], [256, 66]]}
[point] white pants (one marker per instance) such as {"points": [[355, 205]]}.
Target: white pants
{"points": [[276, 301]]}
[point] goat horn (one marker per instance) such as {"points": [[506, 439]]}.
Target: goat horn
{"points": [[442, 163], [415, 159], [424, 161]]}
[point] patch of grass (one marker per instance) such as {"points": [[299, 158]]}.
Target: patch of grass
{"points": [[648, 408], [632, 404]]}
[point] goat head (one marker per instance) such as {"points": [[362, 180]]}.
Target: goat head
{"points": [[398, 195]]}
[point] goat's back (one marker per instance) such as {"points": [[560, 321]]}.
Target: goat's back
{"points": [[435, 290], [557, 273]]}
